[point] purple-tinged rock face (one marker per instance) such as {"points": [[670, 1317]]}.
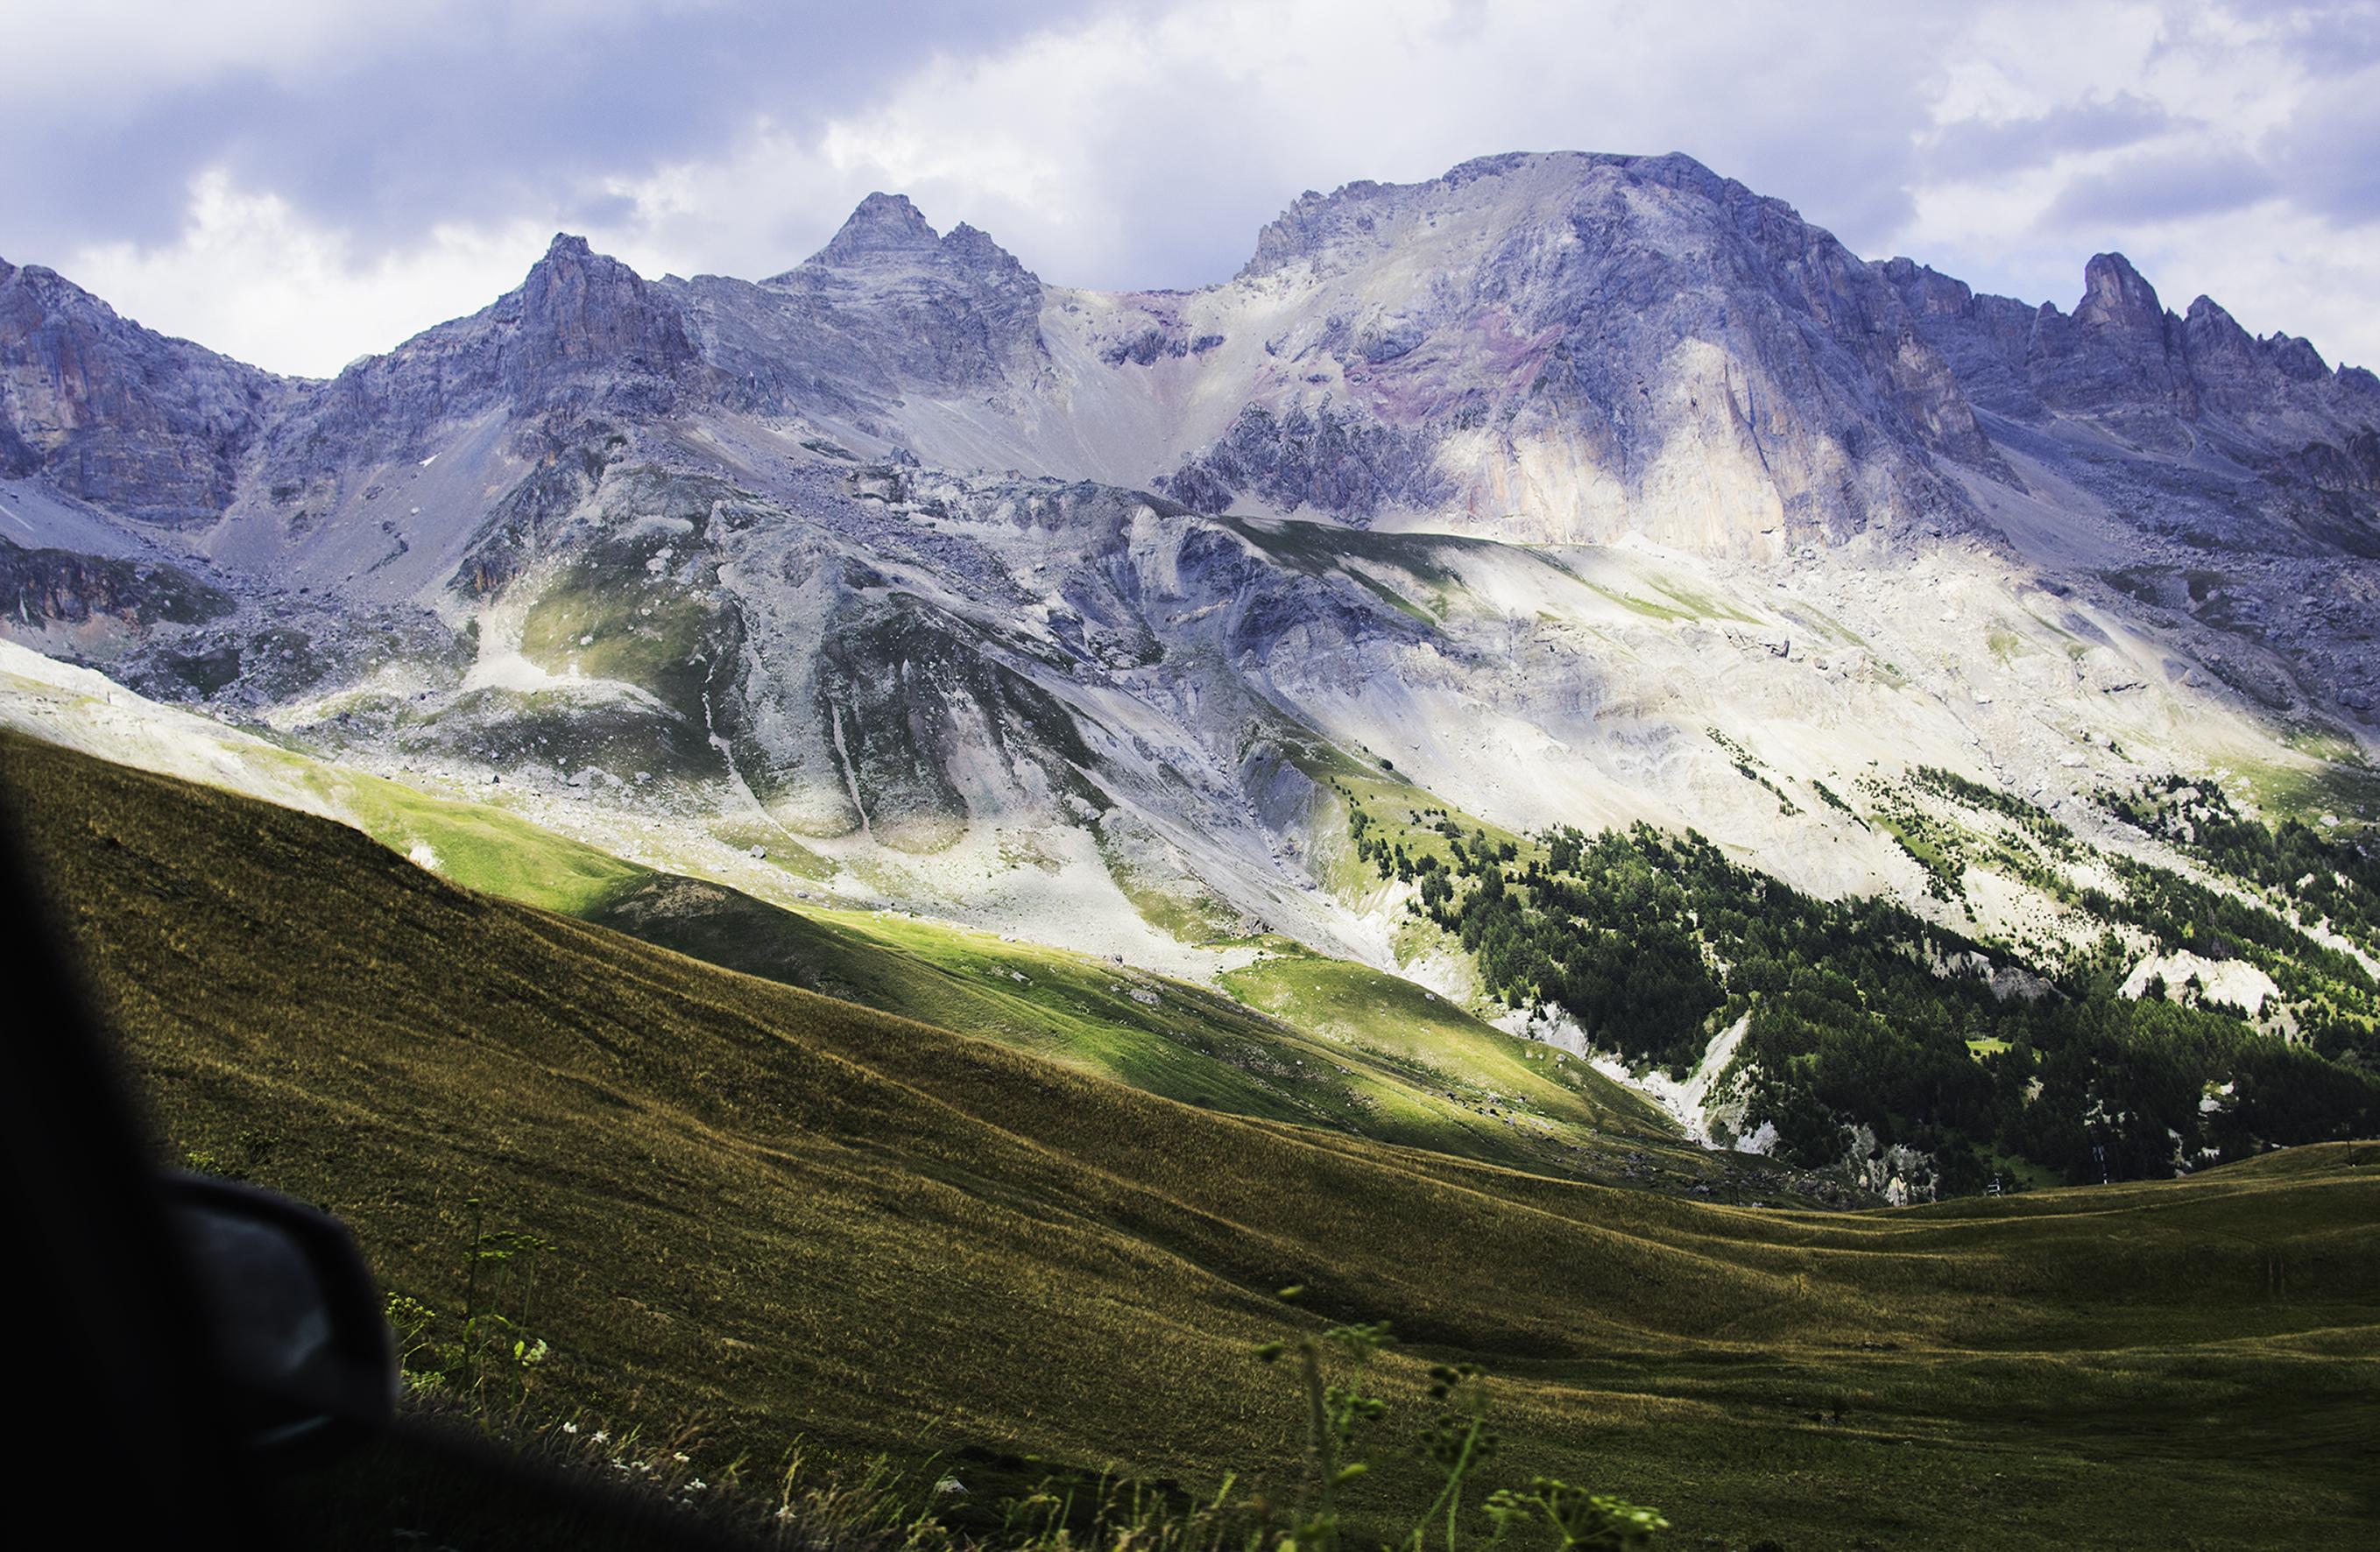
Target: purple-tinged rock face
{"points": [[148, 426], [583, 312]]}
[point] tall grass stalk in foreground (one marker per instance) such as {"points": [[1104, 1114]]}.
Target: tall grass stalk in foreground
{"points": [[499, 1298], [829, 1505], [1454, 1443]]}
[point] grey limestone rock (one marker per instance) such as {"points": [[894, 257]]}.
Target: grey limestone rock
{"points": [[874, 517], [151, 428]]}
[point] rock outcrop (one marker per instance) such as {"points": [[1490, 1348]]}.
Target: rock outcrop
{"points": [[2123, 361], [151, 428], [886, 308], [1608, 344]]}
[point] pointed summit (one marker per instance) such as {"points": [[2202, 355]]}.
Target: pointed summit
{"points": [[2115, 297], [971, 248], [2296, 357], [570, 265], [580, 309], [883, 223], [2214, 337]]}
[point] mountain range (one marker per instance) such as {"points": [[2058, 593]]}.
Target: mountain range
{"points": [[1575, 584]]}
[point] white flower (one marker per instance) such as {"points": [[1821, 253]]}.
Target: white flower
{"points": [[602, 1437], [696, 1485], [572, 1428], [680, 1458]]}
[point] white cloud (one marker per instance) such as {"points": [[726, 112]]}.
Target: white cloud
{"points": [[250, 277], [120, 47], [1143, 146], [2200, 206]]}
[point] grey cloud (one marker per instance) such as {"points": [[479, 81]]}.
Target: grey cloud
{"points": [[2160, 188], [510, 109], [2329, 38], [2329, 157], [1972, 147]]}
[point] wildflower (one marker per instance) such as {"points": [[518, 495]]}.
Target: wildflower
{"points": [[679, 1457], [572, 1428], [602, 1437], [696, 1485]]}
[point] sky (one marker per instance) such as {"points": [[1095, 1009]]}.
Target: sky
{"points": [[297, 185]]}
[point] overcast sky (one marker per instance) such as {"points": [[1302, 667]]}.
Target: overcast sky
{"points": [[299, 184]]}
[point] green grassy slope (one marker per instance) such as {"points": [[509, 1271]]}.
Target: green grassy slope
{"points": [[1445, 1051], [1315, 1040], [784, 1215], [476, 845], [1183, 1041]]}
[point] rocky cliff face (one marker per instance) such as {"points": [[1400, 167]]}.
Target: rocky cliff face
{"points": [[1574, 348], [153, 428], [2122, 360]]}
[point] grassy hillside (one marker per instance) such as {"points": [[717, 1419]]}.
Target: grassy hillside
{"points": [[1312, 1039], [782, 1215], [1183, 1041]]}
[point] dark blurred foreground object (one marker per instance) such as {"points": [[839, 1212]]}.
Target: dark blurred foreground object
{"points": [[193, 1337], [305, 1365], [194, 1362]]}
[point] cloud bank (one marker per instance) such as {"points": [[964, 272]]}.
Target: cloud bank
{"points": [[300, 183]]}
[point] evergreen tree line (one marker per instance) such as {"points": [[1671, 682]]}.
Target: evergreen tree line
{"points": [[1861, 1014]]}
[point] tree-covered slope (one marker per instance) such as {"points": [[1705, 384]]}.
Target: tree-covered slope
{"points": [[1952, 1060]]}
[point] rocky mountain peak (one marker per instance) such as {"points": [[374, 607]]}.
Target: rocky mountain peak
{"points": [[116, 414], [2206, 312], [567, 248], [2212, 336], [1644, 308], [1295, 234], [2115, 295], [971, 248], [1514, 187], [887, 237], [570, 265], [578, 306], [2297, 358], [883, 223], [37, 286], [886, 306]]}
